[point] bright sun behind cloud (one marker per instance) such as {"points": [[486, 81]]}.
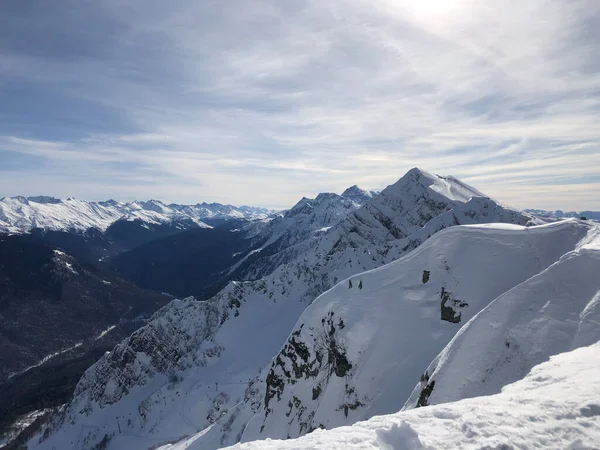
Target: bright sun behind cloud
{"points": [[434, 7], [436, 11]]}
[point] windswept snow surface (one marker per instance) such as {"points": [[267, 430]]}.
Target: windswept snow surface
{"points": [[557, 405], [21, 214]]}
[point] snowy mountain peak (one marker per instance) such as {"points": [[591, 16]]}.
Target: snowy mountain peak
{"points": [[152, 205], [353, 194], [109, 202], [441, 188], [18, 199], [325, 196], [304, 205], [357, 194]]}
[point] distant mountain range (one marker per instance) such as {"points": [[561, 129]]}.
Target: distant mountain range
{"points": [[22, 214], [558, 214]]}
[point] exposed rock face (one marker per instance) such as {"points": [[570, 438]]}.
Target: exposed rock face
{"points": [[168, 344], [523, 415]]}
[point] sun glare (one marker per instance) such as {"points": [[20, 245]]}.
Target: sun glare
{"points": [[432, 9]]}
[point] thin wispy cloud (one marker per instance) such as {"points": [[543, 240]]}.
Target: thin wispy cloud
{"points": [[264, 102]]}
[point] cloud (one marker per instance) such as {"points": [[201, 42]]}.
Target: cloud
{"points": [[265, 102]]}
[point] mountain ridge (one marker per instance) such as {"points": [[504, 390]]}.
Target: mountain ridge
{"points": [[21, 214]]}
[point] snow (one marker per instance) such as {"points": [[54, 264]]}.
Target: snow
{"points": [[358, 195], [19, 214], [47, 358], [392, 327], [294, 231], [20, 424], [62, 262], [498, 226], [105, 332], [447, 187], [556, 310], [475, 264], [557, 405]]}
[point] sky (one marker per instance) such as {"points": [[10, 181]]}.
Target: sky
{"points": [[262, 102]]}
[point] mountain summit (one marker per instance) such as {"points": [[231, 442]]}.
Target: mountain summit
{"points": [[357, 194]]}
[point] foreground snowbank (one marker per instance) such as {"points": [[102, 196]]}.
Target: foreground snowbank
{"points": [[557, 405]]}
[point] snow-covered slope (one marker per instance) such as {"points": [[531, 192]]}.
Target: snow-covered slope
{"points": [[21, 214], [557, 405], [354, 352], [555, 311], [168, 387], [285, 237]]}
